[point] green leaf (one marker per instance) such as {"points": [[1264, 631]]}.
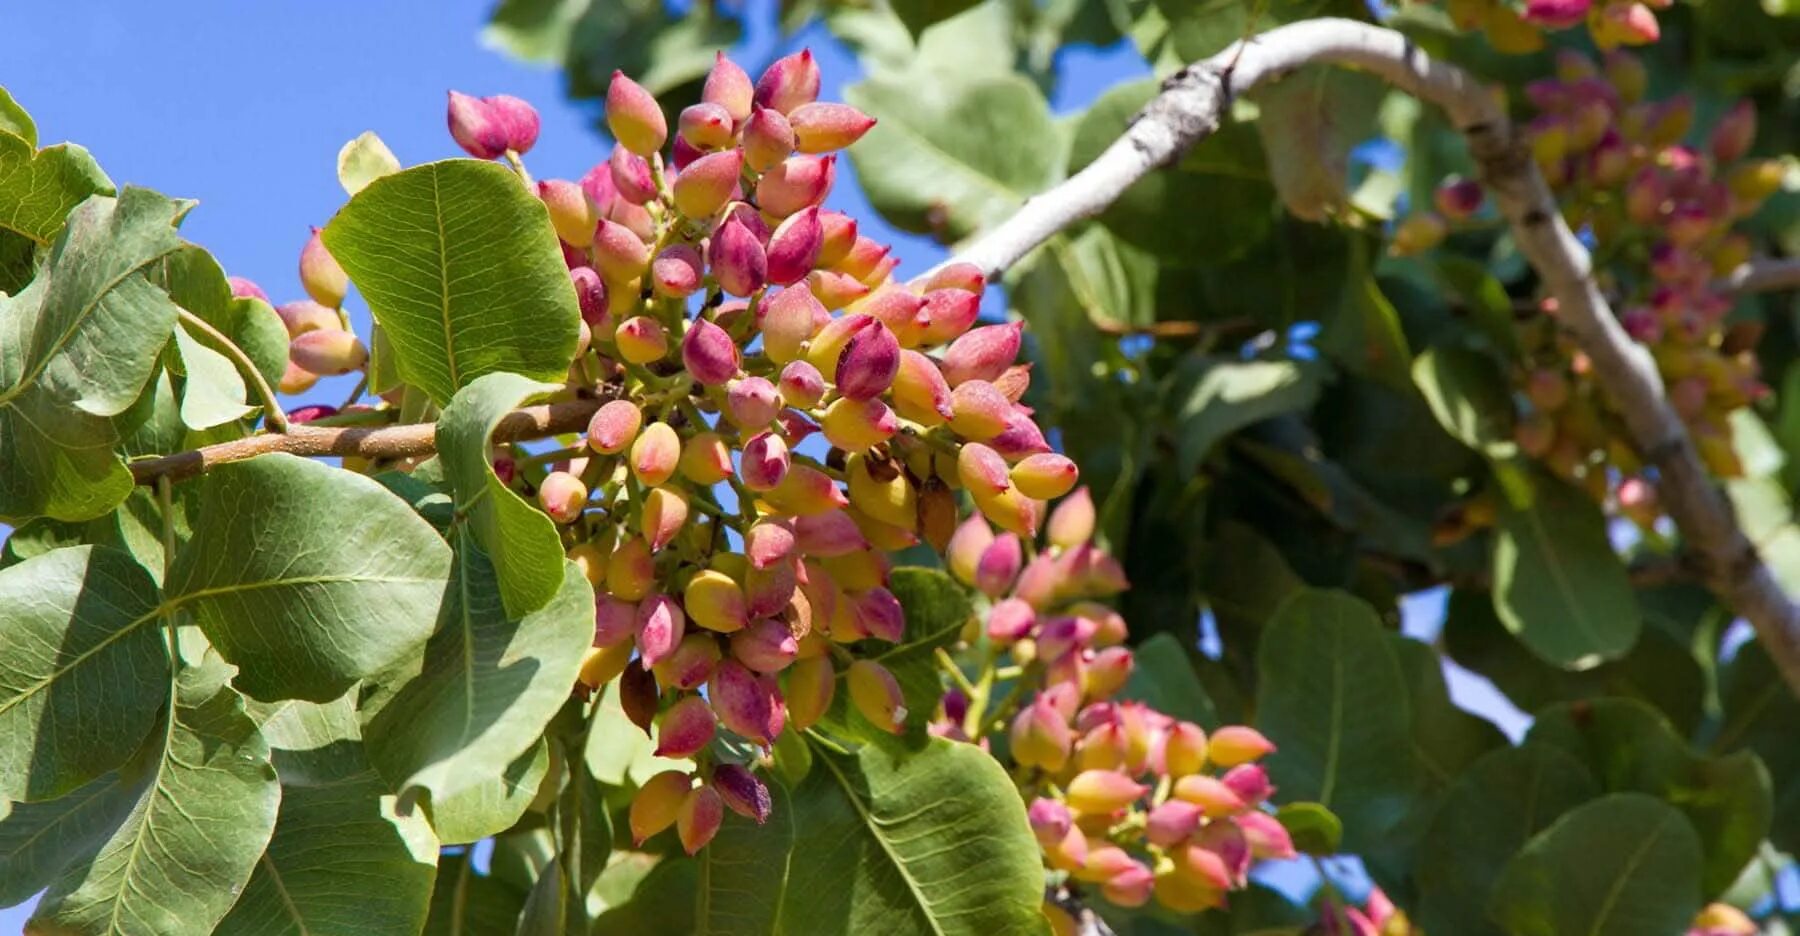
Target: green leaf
{"points": [[38, 188], [212, 391], [18, 261], [197, 283], [179, 860], [585, 825], [1309, 120], [460, 267], [15, 120], [465, 901], [493, 803], [1622, 865], [666, 53], [881, 840], [952, 154], [485, 688], [1759, 715], [39, 840], [314, 743], [1364, 334], [1446, 738], [659, 901], [618, 753], [1218, 396], [1163, 678], [1224, 172], [1558, 585], [521, 541], [1631, 748], [363, 160], [1469, 396], [76, 349], [1488, 814], [1332, 697], [308, 577], [81, 676], [340, 861], [1199, 28], [1314, 829], [919, 14]]}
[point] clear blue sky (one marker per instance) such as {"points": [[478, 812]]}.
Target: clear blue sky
{"points": [[243, 106]]}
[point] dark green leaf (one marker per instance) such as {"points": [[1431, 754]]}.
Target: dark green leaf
{"points": [[1163, 678], [542, 914], [341, 861], [1468, 394], [1622, 865], [882, 840], [660, 901], [918, 14], [1631, 748], [39, 840], [461, 268], [308, 577], [520, 539], [1446, 738], [1219, 396], [466, 902], [1489, 813], [1760, 715], [1558, 585], [38, 188], [76, 349], [1364, 335], [84, 668], [1332, 697], [487, 684], [179, 860]]}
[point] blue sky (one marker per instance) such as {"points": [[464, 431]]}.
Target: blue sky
{"points": [[243, 106]]}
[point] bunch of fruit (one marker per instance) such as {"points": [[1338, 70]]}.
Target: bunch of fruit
{"points": [[1661, 217], [1122, 797]]}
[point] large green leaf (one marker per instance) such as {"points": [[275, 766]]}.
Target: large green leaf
{"points": [[1622, 865], [953, 153], [1309, 121], [313, 743], [485, 688], [468, 902], [1224, 176], [197, 283], [39, 840], [14, 119], [880, 840], [1446, 738], [1558, 585], [179, 860], [518, 538], [212, 389], [1760, 715], [340, 861], [83, 668], [38, 188], [1631, 748], [1332, 697], [461, 268], [1490, 812], [76, 349], [308, 577]]}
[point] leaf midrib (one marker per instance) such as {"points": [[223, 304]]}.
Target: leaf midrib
{"points": [[1563, 586], [874, 828], [1617, 888]]}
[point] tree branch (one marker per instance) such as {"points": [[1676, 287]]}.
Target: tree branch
{"points": [[1766, 275], [380, 442], [1190, 107]]}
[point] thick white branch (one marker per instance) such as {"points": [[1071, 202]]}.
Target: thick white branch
{"points": [[1765, 275], [1190, 107]]}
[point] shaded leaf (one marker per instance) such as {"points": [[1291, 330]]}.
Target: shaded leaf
{"points": [[493, 803], [466, 901], [1332, 697], [1309, 120], [1760, 715], [1558, 585], [1468, 394], [84, 669], [460, 267], [1162, 677], [1488, 814], [308, 577], [1219, 396], [39, 840], [1622, 865], [1314, 829]]}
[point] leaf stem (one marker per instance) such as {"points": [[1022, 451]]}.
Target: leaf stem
{"points": [[954, 672], [273, 414]]}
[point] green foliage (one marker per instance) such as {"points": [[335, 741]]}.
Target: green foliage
{"points": [[462, 272], [1558, 585]]}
